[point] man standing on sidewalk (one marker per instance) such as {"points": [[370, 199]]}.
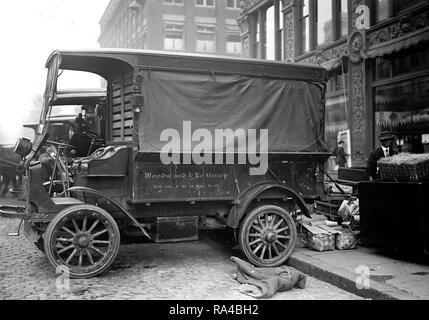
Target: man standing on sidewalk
{"points": [[385, 150]]}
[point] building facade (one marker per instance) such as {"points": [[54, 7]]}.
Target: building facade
{"points": [[196, 26], [378, 63]]}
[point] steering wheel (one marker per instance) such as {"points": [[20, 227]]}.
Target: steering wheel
{"points": [[94, 138]]}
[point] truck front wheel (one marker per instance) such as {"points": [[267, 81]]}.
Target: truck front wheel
{"points": [[268, 236], [82, 241]]}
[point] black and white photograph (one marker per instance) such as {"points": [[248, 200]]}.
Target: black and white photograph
{"points": [[214, 154]]}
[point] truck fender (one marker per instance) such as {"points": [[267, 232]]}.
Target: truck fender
{"points": [[114, 202], [250, 194]]}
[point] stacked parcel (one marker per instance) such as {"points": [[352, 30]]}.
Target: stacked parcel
{"points": [[405, 167]]}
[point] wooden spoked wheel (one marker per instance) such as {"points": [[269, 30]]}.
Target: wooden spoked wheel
{"points": [[82, 241], [268, 236]]}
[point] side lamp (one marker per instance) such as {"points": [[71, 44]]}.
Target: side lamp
{"points": [[23, 147]]}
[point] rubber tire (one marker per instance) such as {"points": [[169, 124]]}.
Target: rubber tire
{"points": [[248, 219], [59, 217]]}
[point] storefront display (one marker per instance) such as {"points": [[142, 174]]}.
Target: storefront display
{"points": [[401, 98]]}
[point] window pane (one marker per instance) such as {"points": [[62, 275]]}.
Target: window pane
{"points": [[306, 35], [305, 8], [233, 43], [205, 38], [344, 18], [281, 35], [174, 37], [382, 68], [324, 21], [258, 28], [335, 119], [305, 27], [382, 9], [402, 5], [270, 32]]}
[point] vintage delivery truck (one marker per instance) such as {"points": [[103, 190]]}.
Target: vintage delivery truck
{"points": [[193, 142]]}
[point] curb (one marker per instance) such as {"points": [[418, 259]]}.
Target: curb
{"points": [[344, 279]]}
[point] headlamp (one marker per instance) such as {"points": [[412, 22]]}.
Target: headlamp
{"points": [[23, 147]]}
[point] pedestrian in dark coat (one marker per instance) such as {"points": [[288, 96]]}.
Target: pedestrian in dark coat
{"points": [[340, 155], [385, 150]]}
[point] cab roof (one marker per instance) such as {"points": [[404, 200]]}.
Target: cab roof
{"points": [[110, 62], [78, 97]]}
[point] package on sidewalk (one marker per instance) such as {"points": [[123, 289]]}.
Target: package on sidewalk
{"points": [[320, 238], [346, 239]]}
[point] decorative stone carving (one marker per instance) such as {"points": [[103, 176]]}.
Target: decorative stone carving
{"points": [[247, 4], [289, 37], [357, 46], [403, 26], [358, 112], [326, 55], [287, 3]]}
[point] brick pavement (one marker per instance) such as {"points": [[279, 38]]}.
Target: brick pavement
{"points": [[182, 271]]}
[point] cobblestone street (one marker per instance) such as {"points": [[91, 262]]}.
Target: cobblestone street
{"points": [[184, 271]]}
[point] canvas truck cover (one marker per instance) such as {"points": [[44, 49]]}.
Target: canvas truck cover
{"points": [[215, 93], [291, 110]]}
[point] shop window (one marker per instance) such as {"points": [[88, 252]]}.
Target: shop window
{"points": [[385, 9], [402, 63], [401, 99], [382, 68], [174, 38], [337, 84], [335, 119], [403, 108], [206, 38], [411, 61]]}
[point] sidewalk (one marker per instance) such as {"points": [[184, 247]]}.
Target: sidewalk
{"points": [[390, 277]]}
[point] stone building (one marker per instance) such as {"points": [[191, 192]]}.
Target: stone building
{"points": [[197, 26], [379, 75]]}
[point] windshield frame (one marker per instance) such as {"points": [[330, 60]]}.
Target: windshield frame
{"points": [[48, 96]]}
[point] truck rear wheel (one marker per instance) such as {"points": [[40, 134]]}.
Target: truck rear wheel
{"points": [[268, 236], [82, 241]]}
